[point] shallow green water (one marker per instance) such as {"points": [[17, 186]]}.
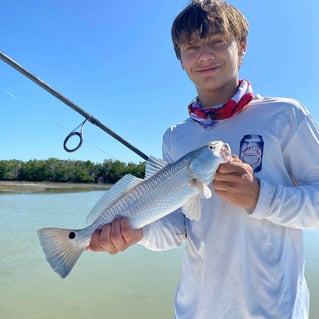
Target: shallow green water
{"points": [[136, 284]]}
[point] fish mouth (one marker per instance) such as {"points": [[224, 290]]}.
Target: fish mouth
{"points": [[225, 152]]}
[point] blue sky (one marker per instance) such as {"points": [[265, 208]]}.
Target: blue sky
{"points": [[115, 60]]}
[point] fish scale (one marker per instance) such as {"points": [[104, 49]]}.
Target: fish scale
{"points": [[166, 188]]}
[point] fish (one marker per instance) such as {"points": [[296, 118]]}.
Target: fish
{"points": [[165, 188]]}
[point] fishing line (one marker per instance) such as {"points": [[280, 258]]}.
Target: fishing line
{"points": [[76, 108], [7, 92], [26, 104]]}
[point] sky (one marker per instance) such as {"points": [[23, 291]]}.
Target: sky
{"points": [[115, 60]]}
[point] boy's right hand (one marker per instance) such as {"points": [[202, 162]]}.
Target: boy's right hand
{"points": [[115, 237]]}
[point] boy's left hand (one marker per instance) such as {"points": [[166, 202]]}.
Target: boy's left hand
{"points": [[235, 182]]}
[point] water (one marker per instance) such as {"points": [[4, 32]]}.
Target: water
{"points": [[136, 284]]}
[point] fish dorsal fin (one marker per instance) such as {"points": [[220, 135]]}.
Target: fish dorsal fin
{"points": [[192, 208], [153, 165], [122, 186]]}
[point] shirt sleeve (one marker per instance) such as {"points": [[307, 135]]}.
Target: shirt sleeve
{"points": [[295, 206], [166, 233]]}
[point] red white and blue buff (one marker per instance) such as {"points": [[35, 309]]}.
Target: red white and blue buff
{"points": [[208, 117]]}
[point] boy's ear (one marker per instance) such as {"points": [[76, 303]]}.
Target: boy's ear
{"points": [[242, 47]]}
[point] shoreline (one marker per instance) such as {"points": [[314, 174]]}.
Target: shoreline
{"points": [[42, 187]]}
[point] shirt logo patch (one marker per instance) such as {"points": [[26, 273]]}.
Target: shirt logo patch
{"points": [[251, 151]]}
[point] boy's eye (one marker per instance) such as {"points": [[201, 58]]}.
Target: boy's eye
{"points": [[218, 42], [192, 46]]}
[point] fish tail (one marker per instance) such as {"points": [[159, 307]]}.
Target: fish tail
{"points": [[61, 247]]}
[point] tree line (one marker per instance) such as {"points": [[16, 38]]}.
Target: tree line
{"points": [[55, 170]]}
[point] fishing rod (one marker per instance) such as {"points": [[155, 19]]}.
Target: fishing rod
{"points": [[73, 106]]}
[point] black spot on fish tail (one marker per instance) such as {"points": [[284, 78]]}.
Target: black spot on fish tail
{"points": [[72, 235]]}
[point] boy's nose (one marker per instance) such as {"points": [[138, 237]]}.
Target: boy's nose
{"points": [[205, 53]]}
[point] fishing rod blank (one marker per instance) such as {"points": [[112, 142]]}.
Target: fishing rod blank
{"points": [[73, 106]]}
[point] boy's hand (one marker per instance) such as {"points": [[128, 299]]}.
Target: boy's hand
{"points": [[235, 182], [115, 237]]}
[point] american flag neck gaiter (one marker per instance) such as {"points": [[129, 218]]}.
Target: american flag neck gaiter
{"points": [[208, 117]]}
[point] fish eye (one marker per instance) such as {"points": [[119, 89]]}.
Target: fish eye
{"points": [[212, 147]]}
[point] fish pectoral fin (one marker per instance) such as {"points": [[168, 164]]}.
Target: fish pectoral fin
{"points": [[206, 192], [122, 186], [203, 190], [192, 208]]}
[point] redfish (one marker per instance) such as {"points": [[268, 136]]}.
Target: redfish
{"points": [[165, 188]]}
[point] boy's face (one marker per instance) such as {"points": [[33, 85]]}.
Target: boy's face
{"points": [[213, 62]]}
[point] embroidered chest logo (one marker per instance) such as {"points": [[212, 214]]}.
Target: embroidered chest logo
{"points": [[251, 151]]}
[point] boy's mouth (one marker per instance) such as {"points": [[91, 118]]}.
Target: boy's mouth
{"points": [[208, 69]]}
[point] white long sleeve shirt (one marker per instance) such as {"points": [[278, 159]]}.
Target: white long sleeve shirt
{"points": [[239, 264]]}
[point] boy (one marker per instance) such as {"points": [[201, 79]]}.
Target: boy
{"points": [[244, 258]]}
